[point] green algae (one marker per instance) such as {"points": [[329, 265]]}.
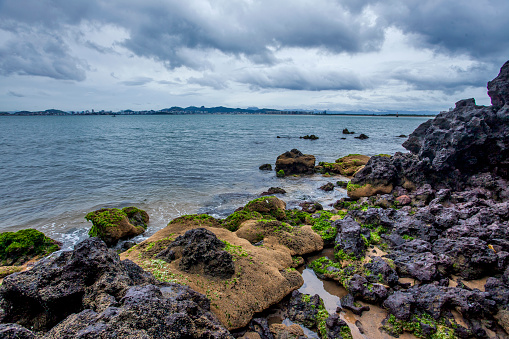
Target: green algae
{"points": [[16, 248]]}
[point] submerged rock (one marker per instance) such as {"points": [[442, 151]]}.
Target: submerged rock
{"points": [[274, 190], [294, 162], [265, 167]]}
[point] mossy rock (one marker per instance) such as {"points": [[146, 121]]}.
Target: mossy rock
{"points": [[16, 248], [350, 164], [233, 221], [271, 206], [113, 224], [199, 220]]}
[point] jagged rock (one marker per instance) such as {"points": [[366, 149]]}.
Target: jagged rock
{"points": [[200, 251], [349, 238], [471, 256], [498, 88], [380, 269], [146, 312], [113, 224], [294, 162], [303, 309], [346, 131], [337, 328], [274, 190], [91, 290], [360, 288], [424, 267], [15, 331]]}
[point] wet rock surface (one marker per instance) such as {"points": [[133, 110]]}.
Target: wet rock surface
{"points": [[294, 162], [89, 292]]}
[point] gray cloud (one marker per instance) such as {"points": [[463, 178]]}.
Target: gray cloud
{"points": [[14, 94], [137, 81], [293, 78], [209, 80]]}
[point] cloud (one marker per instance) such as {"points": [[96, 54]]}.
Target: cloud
{"points": [[209, 80], [137, 81], [14, 94], [294, 78]]}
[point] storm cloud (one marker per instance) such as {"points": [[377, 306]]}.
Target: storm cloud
{"points": [[291, 45]]}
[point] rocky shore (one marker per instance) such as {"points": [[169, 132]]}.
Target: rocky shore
{"points": [[419, 249]]}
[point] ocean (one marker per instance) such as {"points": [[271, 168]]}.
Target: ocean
{"points": [[55, 169]]}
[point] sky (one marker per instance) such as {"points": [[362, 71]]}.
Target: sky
{"points": [[336, 55]]}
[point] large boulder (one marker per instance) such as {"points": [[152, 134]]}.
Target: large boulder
{"points": [[294, 162], [113, 224], [262, 274], [498, 88], [89, 290]]}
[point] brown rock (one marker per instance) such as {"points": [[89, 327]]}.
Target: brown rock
{"points": [[281, 331], [404, 200], [262, 275], [503, 319], [294, 162], [352, 163], [368, 190], [298, 240]]}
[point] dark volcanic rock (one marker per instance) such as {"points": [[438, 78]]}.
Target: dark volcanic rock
{"points": [[360, 288], [265, 167], [346, 131], [15, 331], [200, 251], [362, 137], [498, 88], [311, 207], [261, 326], [349, 238], [347, 302], [304, 308], [380, 269], [91, 292], [294, 162]]}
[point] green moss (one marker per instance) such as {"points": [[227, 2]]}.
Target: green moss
{"points": [[321, 318], [233, 221], [160, 269], [306, 298], [407, 237], [134, 214], [375, 238], [414, 326], [16, 248], [104, 218], [384, 155], [280, 174], [236, 251], [297, 218], [351, 187], [325, 229], [340, 255]]}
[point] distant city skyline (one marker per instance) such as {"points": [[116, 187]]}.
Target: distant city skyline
{"points": [[334, 55]]}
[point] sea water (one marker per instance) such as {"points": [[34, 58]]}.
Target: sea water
{"points": [[55, 169]]}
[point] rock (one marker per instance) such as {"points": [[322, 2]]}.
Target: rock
{"points": [[15, 331], [274, 190], [401, 136], [261, 327], [281, 331], [360, 288], [350, 164], [16, 248], [310, 137], [262, 273], [200, 252], [342, 184], [424, 267], [348, 238], [356, 192], [502, 318], [362, 137], [299, 240], [91, 290], [7, 270], [145, 312], [404, 200], [265, 167], [337, 328], [267, 206], [400, 304], [381, 272], [303, 309], [113, 224], [348, 303], [471, 257], [311, 207], [327, 187], [346, 131], [294, 162], [498, 88]]}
